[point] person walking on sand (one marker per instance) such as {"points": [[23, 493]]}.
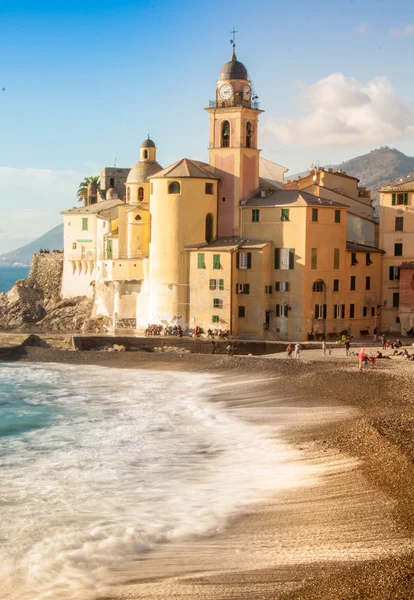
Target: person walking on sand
{"points": [[289, 350], [324, 347], [375, 335], [347, 347], [384, 341], [298, 348]]}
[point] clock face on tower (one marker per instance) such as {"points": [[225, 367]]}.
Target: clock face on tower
{"points": [[226, 92], [247, 92]]}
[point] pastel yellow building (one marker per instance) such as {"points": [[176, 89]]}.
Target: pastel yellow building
{"points": [[224, 244]]}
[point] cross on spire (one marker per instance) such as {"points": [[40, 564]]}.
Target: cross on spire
{"points": [[233, 42]]}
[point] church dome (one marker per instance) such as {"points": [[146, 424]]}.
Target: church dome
{"points": [[142, 170], [233, 69], [148, 143]]}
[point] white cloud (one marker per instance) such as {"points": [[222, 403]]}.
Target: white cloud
{"points": [[342, 111], [361, 28], [405, 31], [31, 200]]}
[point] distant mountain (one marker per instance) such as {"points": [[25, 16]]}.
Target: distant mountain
{"points": [[52, 240], [383, 166]]}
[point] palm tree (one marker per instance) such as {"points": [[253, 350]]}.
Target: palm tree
{"points": [[82, 192]]}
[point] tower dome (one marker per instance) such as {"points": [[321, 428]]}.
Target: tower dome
{"points": [[233, 69], [148, 143]]}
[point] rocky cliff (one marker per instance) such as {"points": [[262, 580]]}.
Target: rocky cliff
{"points": [[35, 303]]}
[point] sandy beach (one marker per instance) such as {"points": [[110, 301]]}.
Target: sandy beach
{"points": [[347, 532]]}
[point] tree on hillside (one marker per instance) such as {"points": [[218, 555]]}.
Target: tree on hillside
{"points": [[82, 192]]}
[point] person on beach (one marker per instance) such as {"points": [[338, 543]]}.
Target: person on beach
{"points": [[298, 349], [343, 339], [289, 350], [347, 347], [324, 347], [384, 341], [375, 335], [361, 359]]}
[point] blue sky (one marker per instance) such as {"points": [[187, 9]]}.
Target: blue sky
{"points": [[88, 80]]}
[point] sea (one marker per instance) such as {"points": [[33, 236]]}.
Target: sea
{"points": [[101, 466], [9, 276]]}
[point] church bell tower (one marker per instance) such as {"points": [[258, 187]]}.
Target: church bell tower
{"points": [[233, 142]]}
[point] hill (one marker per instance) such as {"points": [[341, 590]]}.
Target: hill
{"points": [[51, 240], [383, 166]]}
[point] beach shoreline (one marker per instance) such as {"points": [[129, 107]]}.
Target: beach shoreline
{"points": [[348, 536]]}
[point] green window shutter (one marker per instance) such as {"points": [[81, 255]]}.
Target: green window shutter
{"points": [[277, 258], [284, 216], [215, 319], [212, 284], [85, 224], [393, 200], [278, 310], [221, 284], [325, 311], [216, 261], [336, 258], [405, 198], [277, 286], [316, 311], [237, 260], [343, 311], [351, 311], [237, 288], [200, 260], [249, 260], [247, 288], [291, 258]]}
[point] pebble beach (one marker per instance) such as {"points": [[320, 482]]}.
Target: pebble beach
{"points": [[348, 532]]}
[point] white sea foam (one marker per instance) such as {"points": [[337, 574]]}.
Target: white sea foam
{"points": [[129, 460]]}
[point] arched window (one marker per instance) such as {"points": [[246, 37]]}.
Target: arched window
{"points": [[249, 135], [140, 194], [209, 228], [138, 218], [174, 188], [145, 154], [128, 194], [225, 134], [318, 286]]}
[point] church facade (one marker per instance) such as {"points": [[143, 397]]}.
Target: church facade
{"points": [[226, 244]]}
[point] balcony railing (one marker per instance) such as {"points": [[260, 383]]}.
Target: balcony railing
{"points": [[254, 104], [82, 255]]}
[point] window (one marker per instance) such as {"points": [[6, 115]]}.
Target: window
{"points": [[399, 199], [320, 311], [368, 260], [351, 311], [315, 215], [225, 134], [395, 300], [339, 311], [220, 284], [215, 319], [372, 311], [337, 216], [336, 285], [255, 215], [354, 261], [398, 249], [213, 284], [209, 188], [216, 261], [145, 154], [242, 288], [216, 284], [112, 182], [140, 194], [244, 260], [200, 261], [367, 283], [282, 310], [394, 273], [352, 285], [85, 224], [268, 289], [399, 223], [314, 259], [249, 135], [284, 215], [174, 187], [318, 286], [209, 228], [242, 312], [74, 246], [217, 303], [336, 258], [281, 286], [365, 311], [284, 258], [138, 218]]}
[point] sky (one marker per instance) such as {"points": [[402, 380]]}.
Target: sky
{"points": [[84, 81]]}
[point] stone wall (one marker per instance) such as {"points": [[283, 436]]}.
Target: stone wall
{"points": [[46, 274]]}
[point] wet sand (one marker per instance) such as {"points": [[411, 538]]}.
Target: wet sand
{"points": [[348, 533]]}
